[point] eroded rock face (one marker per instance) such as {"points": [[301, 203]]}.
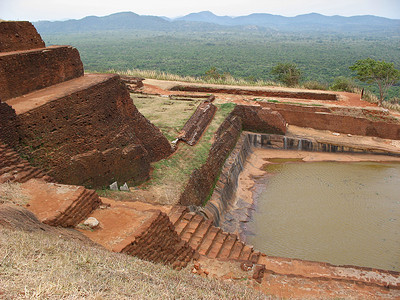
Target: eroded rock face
{"points": [[88, 136], [8, 122], [19, 36], [260, 119]]}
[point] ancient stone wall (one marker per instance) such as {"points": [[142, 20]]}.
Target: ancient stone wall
{"points": [[19, 36], [197, 124], [274, 141], [89, 136], [260, 92], [326, 119], [227, 183], [8, 123], [203, 179], [156, 240], [26, 71], [260, 119]]}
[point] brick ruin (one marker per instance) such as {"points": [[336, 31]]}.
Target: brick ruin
{"points": [[81, 129], [85, 130]]}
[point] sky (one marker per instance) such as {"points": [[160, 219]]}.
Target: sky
{"points": [[34, 10]]}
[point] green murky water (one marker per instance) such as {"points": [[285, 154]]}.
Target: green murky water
{"points": [[341, 213]]}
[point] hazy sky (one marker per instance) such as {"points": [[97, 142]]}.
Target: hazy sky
{"points": [[33, 10]]}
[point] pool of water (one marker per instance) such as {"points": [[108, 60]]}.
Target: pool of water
{"points": [[341, 213]]}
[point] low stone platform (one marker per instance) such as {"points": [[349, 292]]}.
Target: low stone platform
{"points": [[58, 91], [140, 230], [57, 204]]}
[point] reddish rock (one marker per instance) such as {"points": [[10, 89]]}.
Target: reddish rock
{"points": [[257, 92], [354, 121], [260, 119], [198, 122], [22, 72], [8, 124], [19, 36], [202, 180]]}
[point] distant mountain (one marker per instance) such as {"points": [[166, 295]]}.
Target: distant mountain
{"points": [[312, 21], [207, 21]]}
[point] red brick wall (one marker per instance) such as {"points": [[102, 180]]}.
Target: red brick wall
{"points": [[261, 93], [325, 119], [88, 137], [203, 179], [260, 119], [19, 36], [24, 72]]}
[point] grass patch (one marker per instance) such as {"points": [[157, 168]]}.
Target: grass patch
{"points": [[36, 265], [168, 115], [170, 175], [224, 80], [12, 193]]}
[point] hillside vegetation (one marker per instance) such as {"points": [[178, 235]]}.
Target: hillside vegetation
{"points": [[249, 55]]}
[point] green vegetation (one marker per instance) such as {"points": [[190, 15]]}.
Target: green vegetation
{"points": [[343, 84], [288, 73], [170, 175], [247, 55], [39, 265], [377, 72]]}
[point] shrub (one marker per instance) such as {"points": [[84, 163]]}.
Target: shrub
{"points": [[343, 84], [288, 73], [315, 85]]}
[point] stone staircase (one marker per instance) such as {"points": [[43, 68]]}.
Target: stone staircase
{"points": [[13, 168], [209, 240], [213, 243]]}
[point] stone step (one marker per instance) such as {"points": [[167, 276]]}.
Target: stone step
{"points": [[236, 250], [177, 213], [217, 244], [227, 246], [246, 252], [254, 257], [192, 227], [187, 217], [55, 92], [208, 240], [13, 168], [25, 71], [134, 229], [197, 238]]}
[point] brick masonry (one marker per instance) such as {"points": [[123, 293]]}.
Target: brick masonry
{"points": [[19, 36], [22, 72]]}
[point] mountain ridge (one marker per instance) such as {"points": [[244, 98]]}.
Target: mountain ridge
{"points": [[207, 21]]}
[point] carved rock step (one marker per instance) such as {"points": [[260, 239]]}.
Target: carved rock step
{"points": [[15, 169], [58, 204], [207, 239], [134, 229], [40, 97]]}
